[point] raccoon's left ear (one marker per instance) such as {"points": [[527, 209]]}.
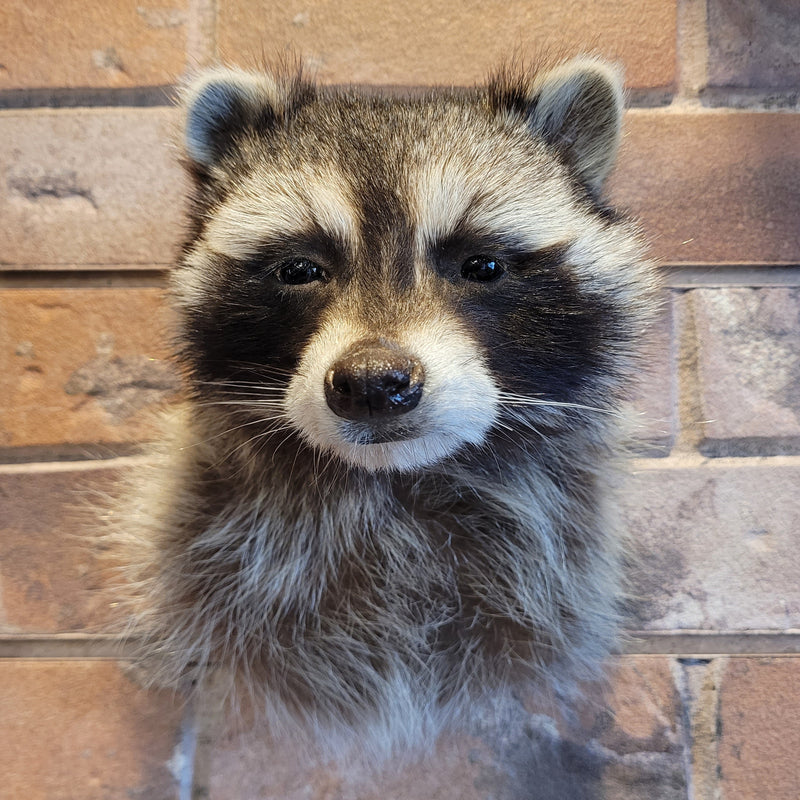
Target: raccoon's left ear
{"points": [[577, 109]]}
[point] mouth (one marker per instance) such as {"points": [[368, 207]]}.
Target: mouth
{"points": [[362, 434]]}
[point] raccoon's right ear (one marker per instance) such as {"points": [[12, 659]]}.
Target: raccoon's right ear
{"points": [[576, 108], [222, 105]]}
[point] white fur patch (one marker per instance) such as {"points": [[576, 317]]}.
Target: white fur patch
{"points": [[526, 207], [458, 406], [275, 204]]}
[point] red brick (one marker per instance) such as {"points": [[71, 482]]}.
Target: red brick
{"points": [[753, 44], [717, 545], [748, 344], [714, 186], [78, 44], [759, 733], [103, 188], [82, 729], [81, 365], [88, 187], [618, 745], [50, 578], [421, 42]]}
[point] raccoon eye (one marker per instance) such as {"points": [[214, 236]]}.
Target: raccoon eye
{"points": [[481, 268], [300, 271]]}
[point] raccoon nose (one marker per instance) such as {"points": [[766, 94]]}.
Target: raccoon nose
{"points": [[374, 379]]}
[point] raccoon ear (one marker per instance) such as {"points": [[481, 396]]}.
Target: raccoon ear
{"points": [[577, 109], [222, 104]]}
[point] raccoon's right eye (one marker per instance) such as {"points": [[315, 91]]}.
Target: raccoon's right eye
{"points": [[300, 271]]}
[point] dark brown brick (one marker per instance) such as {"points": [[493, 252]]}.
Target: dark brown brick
{"points": [[51, 580], [82, 729], [88, 187], [716, 544], [748, 345], [118, 44], [419, 42], [759, 734], [81, 365], [754, 44], [715, 186]]}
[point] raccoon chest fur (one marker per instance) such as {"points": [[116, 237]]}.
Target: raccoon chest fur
{"points": [[406, 328]]}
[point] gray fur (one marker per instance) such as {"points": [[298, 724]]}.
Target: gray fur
{"points": [[369, 594]]}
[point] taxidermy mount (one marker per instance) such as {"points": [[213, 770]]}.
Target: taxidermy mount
{"points": [[407, 327]]}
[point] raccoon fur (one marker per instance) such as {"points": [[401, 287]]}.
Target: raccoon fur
{"points": [[406, 326]]}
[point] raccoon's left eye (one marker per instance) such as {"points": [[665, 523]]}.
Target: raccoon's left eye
{"points": [[299, 271], [481, 268]]}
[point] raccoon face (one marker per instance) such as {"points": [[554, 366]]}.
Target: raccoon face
{"points": [[384, 277]]}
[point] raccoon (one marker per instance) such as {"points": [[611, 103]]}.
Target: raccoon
{"points": [[406, 327]]}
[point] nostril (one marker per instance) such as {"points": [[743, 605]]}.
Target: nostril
{"points": [[340, 382], [395, 382]]}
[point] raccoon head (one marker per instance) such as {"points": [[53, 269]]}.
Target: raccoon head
{"points": [[383, 275]]}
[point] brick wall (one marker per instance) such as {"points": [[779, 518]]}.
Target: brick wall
{"points": [[705, 701]]}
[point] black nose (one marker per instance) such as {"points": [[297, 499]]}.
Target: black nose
{"points": [[374, 379]]}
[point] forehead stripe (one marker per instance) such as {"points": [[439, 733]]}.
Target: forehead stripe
{"points": [[288, 204]]}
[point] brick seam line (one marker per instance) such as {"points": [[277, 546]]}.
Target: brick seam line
{"points": [[697, 682], [682, 643], [691, 51], [708, 101]]}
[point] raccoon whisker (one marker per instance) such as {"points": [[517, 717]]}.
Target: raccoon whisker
{"points": [[262, 369], [258, 387], [254, 405], [256, 402], [522, 400], [252, 391], [283, 441], [502, 425], [261, 438], [319, 473], [523, 420], [228, 431]]}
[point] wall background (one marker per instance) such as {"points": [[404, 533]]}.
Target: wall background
{"points": [[705, 702]]}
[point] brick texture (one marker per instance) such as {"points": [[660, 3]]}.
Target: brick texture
{"points": [[81, 365], [104, 188], [753, 44], [50, 577], [717, 546], [759, 734], [420, 42], [83, 729], [89, 187], [654, 404], [622, 744], [118, 44], [89, 192], [748, 344], [716, 186]]}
